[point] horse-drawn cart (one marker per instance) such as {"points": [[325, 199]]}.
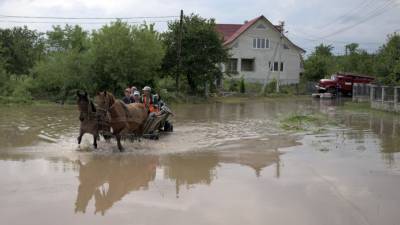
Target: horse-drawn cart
{"points": [[111, 118], [157, 123]]}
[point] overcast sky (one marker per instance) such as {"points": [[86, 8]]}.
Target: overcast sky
{"points": [[308, 22]]}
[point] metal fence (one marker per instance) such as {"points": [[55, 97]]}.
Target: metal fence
{"points": [[361, 92], [376, 93], [381, 97], [388, 94]]}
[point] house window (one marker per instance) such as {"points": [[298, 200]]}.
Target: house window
{"points": [[231, 65], [247, 64], [260, 43], [275, 66]]}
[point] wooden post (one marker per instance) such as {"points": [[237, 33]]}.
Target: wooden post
{"points": [[383, 94], [178, 52], [371, 93], [395, 98], [282, 25]]}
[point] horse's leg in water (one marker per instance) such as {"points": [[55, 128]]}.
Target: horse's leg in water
{"points": [[80, 136], [139, 133], [95, 137], [118, 136]]}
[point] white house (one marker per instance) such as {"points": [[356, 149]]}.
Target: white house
{"points": [[258, 46]]}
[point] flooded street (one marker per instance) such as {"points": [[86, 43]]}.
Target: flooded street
{"points": [[223, 164]]}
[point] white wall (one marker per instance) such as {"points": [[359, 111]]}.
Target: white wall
{"points": [[242, 47]]}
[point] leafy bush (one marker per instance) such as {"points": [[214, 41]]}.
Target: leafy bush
{"points": [[166, 83], [253, 88], [231, 85], [271, 87], [242, 86]]}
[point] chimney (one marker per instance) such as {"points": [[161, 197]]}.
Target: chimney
{"points": [[280, 26]]}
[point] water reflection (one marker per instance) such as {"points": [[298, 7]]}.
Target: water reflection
{"points": [[385, 127], [109, 179], [190, 169], [366, 127]]}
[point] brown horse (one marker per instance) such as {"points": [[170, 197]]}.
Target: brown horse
{"points": [[87, 117], [124, 118]]}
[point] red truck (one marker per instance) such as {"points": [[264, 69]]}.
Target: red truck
{"points": [[342, 83]]}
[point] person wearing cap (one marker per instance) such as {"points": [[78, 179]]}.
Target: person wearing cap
{"points": [[127, 99], [133, 89], [136, 97], [149, 101]]}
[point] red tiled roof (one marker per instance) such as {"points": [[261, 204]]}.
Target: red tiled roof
{"points": [[232, 31], [227, 30], [242, 29]]}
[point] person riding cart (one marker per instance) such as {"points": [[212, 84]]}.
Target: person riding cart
{"points": [[158, 114], [150, 101]]}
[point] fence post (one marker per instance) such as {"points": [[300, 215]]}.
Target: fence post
{"points": [[383, 94], [395, 98], [371, 93]]}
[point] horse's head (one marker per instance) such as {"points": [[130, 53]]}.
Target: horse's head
{"points": [[104, 100], [85, 106], [82, 101]]}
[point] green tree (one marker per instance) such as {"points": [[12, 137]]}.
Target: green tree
{"points": [[124, 55], [3, 73], [59, 74], [21, 48], [355, 60], [320, 63], [351, 48], [388, 61], [202, 51], [67, 64], [324, 50], [66, 38]]}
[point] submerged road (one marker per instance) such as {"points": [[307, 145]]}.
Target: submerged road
{"points": [[223, 164]]}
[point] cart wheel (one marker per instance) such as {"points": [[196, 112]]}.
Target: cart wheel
{"points": [[168, 127]]}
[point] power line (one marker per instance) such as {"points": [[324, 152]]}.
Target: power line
{"points": [[68, 22], [371, 15], [348, 14], [86, 18], [332, 41], [376, 11]]}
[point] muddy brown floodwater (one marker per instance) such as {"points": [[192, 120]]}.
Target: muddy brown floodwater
{"points": [[224, 164]]}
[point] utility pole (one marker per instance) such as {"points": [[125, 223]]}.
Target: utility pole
{"points": [[281, 25], [270, 67], [179, 51]]}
